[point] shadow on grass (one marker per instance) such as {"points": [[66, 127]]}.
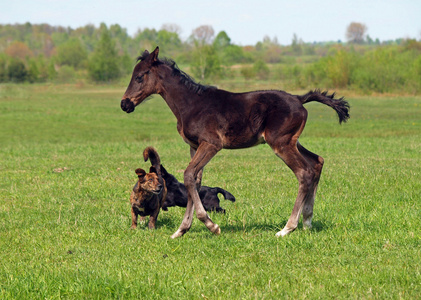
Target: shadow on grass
{"points": [[319, 226], [167, 221], [261, 227]]}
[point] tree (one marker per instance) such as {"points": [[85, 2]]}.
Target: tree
{"points": [[71, 53], [234, 54], [261, 69], [17, 71], [33, 71], [203, 34], [104, 62], [3, 69], [221, 41], [168, 41], [205, 62], [18, 50], [297, 45], [355, 33], [171, 27], [145, 39], [228, 53], [126, 64]]}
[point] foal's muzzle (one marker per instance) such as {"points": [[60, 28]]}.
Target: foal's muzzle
{"points": [[127, 105]]}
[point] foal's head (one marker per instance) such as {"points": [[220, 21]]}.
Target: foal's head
{"points": [[144, 81]]}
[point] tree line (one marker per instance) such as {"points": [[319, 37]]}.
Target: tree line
{"points": [[45, 53]]}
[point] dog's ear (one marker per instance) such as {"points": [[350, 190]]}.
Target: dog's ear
{"points": [[140, 173], [152, 170]]}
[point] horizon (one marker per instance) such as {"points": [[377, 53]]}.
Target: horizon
{"points": [[245, 22], [274, 40]]}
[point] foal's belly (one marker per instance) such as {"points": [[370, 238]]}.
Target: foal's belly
{"points": [[240, 142]]}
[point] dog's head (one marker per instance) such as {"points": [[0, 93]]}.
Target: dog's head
{"points": [[148, 182]]}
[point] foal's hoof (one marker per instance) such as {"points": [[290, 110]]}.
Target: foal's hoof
{"points": [[284, 232], [178, 233], [216, 230]]}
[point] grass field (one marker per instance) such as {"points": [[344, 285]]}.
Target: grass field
{"points": [[67, 161]]}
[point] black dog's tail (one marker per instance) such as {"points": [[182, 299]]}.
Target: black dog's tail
{"points": [[339, 105], [227, 195], [151, 154]]}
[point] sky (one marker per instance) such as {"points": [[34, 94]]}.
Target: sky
{"points": [[246, 22]]}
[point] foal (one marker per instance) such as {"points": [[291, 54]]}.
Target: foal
{"points": [[210, 119]]}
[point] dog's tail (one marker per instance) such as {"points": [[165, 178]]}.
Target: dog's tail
{"points": [[227, 195], [151, 154], [339, 105]]}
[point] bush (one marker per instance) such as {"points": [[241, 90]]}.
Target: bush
{"points": [[384, 70], [339, 68], [332, 71], [72, 53], [3, 69], [17, 71], [206, 63], [261, 69], [248, 72], [66, 74]]}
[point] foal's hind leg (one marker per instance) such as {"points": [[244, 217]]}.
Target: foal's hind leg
{"points": [[317, 163], [303, 163]]}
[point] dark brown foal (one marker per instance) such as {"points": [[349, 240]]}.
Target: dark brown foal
{"points": [[210, 119]]}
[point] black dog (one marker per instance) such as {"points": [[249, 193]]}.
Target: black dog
{"points": [[177, 194]]}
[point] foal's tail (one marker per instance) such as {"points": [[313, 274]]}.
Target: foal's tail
{"points": [[339, 105], [151, 154]]}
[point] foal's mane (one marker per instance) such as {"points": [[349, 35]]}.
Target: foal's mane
{"points": [[184, 77]]}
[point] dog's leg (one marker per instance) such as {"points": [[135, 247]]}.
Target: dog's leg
{"points": [[134, 219], [152, 219]]}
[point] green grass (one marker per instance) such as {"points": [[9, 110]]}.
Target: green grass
{"points": [[68, 157]]}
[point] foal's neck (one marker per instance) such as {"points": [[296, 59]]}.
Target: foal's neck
{"points": [[177, 95]]}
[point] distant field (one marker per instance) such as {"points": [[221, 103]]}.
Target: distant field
{"points": [[67, 161]]}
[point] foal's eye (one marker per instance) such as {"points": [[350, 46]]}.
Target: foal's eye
{"points": [[139, 79]]}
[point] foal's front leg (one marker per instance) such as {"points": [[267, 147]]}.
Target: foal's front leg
{"points": [[200, 174], [203, 155]]}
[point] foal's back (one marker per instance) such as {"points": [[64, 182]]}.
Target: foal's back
{"points": [[239, 120]]}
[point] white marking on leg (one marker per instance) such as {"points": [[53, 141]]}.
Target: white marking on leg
{"points": [[177, 234], [284, 232]]}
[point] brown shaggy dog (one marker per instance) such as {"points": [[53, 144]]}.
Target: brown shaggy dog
{"points": [[149, 193]]}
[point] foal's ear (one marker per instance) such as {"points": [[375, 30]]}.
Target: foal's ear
{"points": [[154, 54], [140, 173]]}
